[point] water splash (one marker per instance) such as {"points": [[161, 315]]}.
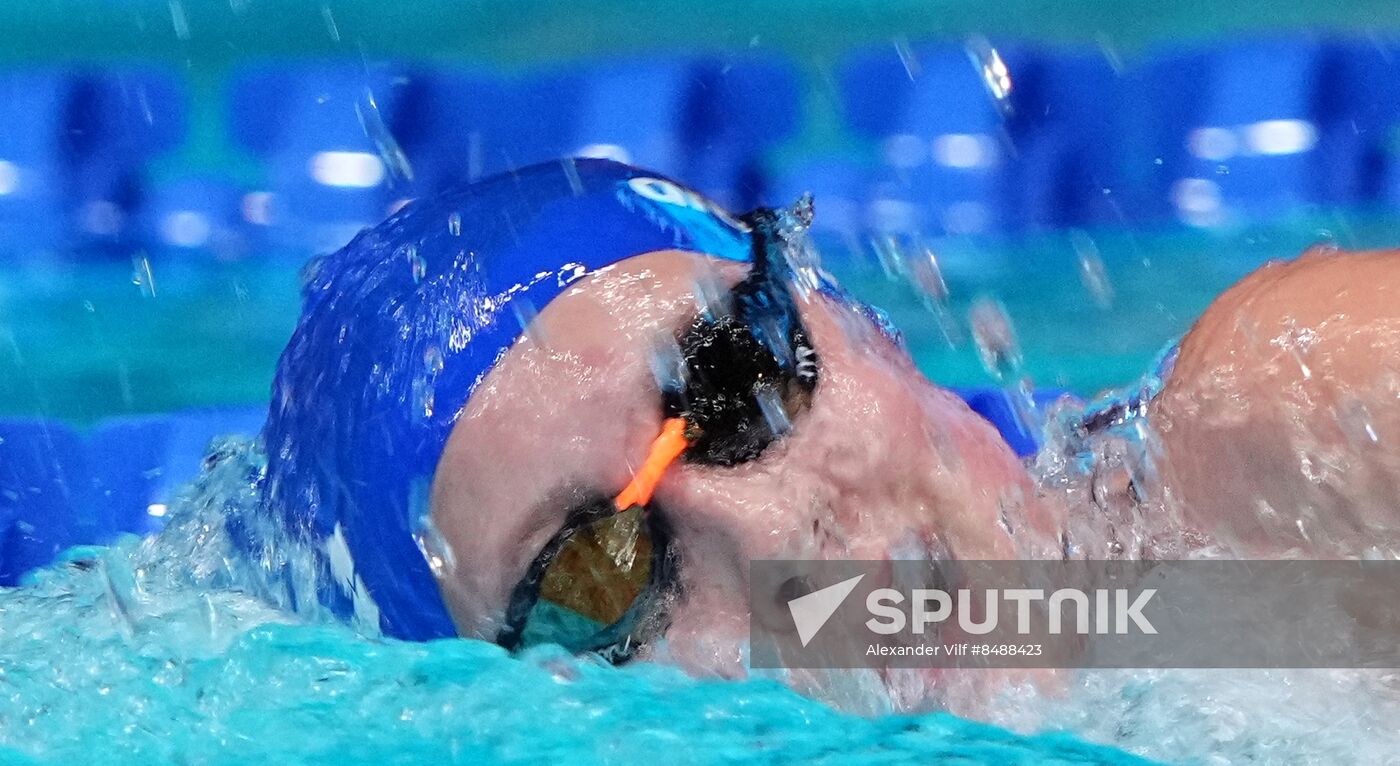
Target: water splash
{"points": [[425, 382], [167, 649], [916, 264], [417, 264], [995, 338]]}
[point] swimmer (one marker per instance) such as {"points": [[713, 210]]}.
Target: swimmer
{"points": [[1279, 422], [577, 400], [488, 374]]}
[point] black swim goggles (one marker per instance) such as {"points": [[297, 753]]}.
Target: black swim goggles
{"points": [[744, 371]]}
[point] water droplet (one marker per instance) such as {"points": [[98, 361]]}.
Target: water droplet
{"points": [[995, 339], [435, 548], [142, 276], [1326, 243], [178, 21], [331, 28], [425, 383], [571, 173], [312, 269], [418, 266], [432, 359], [1091, 269], [570, 273], [620, 536], [1357, 423], [668, 366], [454, 224], [1111, 53], [906, 57], [525, 316], [385, 145], [926, 276], [711, 296], [774, 413], [476, 155], [995, 74]]}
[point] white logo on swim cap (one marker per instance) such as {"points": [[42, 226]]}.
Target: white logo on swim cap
{"points": [[667, 193]]}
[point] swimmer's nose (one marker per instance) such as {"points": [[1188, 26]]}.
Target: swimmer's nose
{"points": [[664, 450]]}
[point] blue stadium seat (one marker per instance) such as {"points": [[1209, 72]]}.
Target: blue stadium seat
{"points": [[706, 121], [1063, 125], [31, 160], [1357, 115], [140, 462], [636, 111], [194, 215], [257, 109], [324, 134], [937, 112], [740, 108], [874, 87], [116, 122], [1251, 148], [1158, 96], [58, 490], [42, 492], [459, 125]]}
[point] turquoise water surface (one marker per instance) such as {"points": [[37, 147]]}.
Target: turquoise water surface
{"points": [[156, 651]]}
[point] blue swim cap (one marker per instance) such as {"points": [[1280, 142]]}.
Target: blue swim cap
{"points": [[400, 326]]}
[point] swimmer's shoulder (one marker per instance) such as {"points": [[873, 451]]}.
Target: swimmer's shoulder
{"points": [[1333, 295]]}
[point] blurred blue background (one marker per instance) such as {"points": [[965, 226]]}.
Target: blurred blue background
{"points": [[1096, 172]]}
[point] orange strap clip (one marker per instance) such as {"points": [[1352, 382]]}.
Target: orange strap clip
{"points": [[664, 451]]}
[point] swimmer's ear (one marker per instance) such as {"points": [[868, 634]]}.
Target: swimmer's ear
{"points": [[748, 372], [735, 393]]}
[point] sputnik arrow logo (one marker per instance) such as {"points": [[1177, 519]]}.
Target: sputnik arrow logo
{"points": [[810, 612]]}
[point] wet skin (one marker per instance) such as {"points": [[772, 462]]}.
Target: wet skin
{"points": [[1274, 430], [1280, 424], [884, 465]]}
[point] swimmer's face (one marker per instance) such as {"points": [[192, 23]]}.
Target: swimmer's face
{"points": [[879, 464]]}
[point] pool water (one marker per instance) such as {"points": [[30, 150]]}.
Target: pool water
{"points": [[155, 652], [161, 651], [176, 693]]}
